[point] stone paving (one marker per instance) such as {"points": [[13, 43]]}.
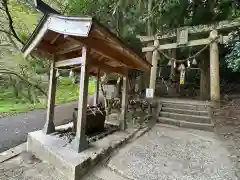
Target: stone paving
{"points": [[27, 167], [169, 153], [164, 153]]}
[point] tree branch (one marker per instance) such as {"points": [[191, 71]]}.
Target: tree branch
{"points": [[10, 20], [6, 32], [5, 44], [12, 41], [7, 71], [2, 9]]}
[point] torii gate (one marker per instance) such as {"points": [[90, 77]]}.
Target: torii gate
{"points": [[213, 35]]}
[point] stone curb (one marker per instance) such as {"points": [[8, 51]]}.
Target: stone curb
{"points": [[107, 151], [133, 133], [92, 161], [74, 168], [13, 152]]}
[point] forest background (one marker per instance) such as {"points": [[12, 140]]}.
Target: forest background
{"points": [[23, 81]]}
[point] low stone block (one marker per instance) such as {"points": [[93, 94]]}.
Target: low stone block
{"points": [[59, 153]]}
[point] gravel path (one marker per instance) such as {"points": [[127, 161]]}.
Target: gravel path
{"points": [[14, 129], [228, 130], [168, 153]]}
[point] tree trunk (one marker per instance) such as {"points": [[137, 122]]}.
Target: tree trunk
{"points": [[146, 75], [15, 89]]}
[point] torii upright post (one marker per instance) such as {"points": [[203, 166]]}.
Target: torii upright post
{"points": [[214, 68], [154, 66]]}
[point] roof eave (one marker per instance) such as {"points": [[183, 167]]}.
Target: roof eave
{"points": [[35, 32]]}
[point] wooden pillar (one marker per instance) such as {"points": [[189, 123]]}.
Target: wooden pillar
{"points": [[205, 79], [124, 108], [96, 95], [49, 126], [172, 72], [146, 75], [214, 68], [154, 67], [80, 142]]}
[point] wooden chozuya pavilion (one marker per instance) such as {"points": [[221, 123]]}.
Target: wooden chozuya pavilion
{"points": [[85, 45], [209, 36]]}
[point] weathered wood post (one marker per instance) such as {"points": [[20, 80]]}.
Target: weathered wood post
{"points": [[145, 78], [49, 126], [96, 94], [214, 68], [154, 66], [172, 72], [80, 142], [205, 78], [124, 108]]}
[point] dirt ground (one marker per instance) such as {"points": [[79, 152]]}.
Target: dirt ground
{"points": [[227, 121]]}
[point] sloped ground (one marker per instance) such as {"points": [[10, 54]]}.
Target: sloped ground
{"points": [[228, 130], [169, 153], [163, 153], [27, 167]]}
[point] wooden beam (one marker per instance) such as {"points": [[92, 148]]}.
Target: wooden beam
{"points": [[198, 42], [103, 66], [69, 62], [103, 48], [222, 25], [67, 47], [145, 38], [70, 55], [44, 46], [224, 39], [115, 40], [55, 39], [36, 40]]}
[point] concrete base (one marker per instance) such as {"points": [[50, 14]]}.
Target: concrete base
{"points": [[60, 154]]}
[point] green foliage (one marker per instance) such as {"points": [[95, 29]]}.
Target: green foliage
{"points": [[67, 91], [125, 18], [233, 56]]}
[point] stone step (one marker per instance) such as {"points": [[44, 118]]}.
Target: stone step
{"points": [[186, 117], [185, 111], [194, 107], [186, 124]]}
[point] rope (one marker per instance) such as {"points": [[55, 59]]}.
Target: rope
{"points": [[191, 57]]}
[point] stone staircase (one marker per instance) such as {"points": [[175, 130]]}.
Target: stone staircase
{"points": [[186, 113]]}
